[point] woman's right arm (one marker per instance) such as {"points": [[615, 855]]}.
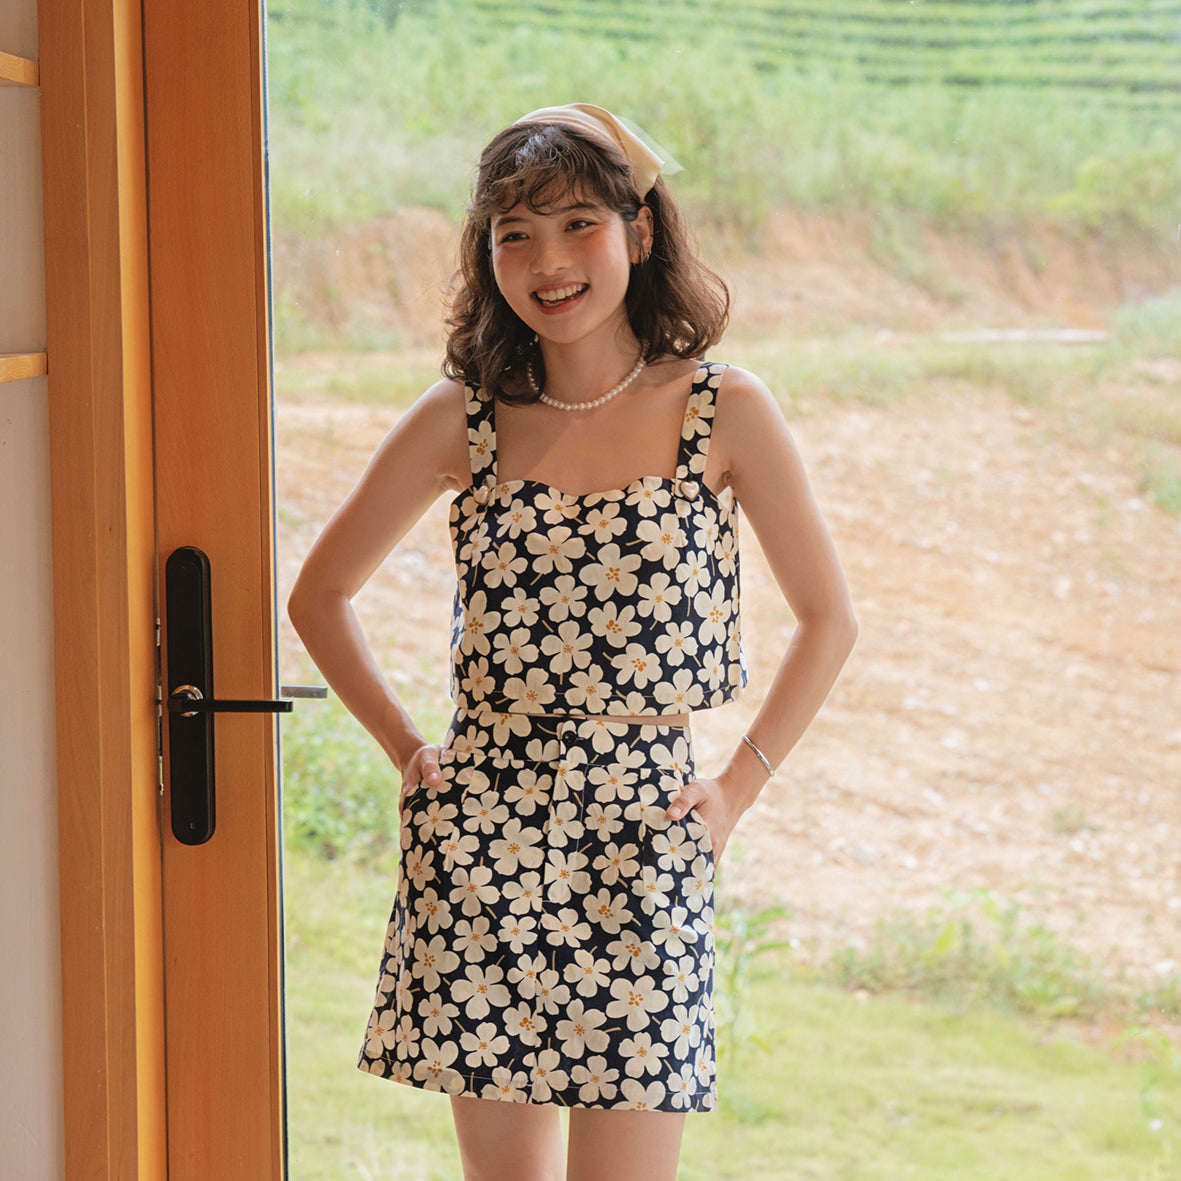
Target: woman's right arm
{"points": [[425, 455]]}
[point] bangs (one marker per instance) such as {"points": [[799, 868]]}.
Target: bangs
{"points": [[543, 165]]}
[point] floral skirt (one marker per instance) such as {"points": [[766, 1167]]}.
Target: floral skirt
{"points": [[552, 936]]}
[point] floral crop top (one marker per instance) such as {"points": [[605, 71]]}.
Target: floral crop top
{"points": [[619, 602]]}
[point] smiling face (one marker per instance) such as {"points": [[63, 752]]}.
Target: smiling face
{"points": [[564, 268]]}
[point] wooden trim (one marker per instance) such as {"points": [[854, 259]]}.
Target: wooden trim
{"points": [[18, 366], [101, 468], [18, 70], [204, 95]]}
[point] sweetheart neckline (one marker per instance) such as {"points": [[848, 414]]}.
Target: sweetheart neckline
{"points": [[704, 488]]}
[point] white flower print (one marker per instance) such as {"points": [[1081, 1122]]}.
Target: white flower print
{"points": [[633, 952], [471, 742], [482, 444], [507, 1085], [671, 929], [513, 649], [485, 813], [432, 958], [504, 564], [518, 931], [534, 691], [458, 848], [713, 609], [473, 888], [615, 862], [696, 889], [526, 972], [609, 910], [681, 1086], [565, 599], [478, 621], [637, 1097], [525, 891], [565, 872], [579, 1031], [506, 724], [658, 597], [705, 534], [518, 609], [485, 1046], [681, 691], [551, 994], [406, 1037], [648, 498], [381, 1036], [615, 623], [419, 867], [653, 887], [636, 1000], [478, 541], [663, 541], [432, 911], [605, 819], [682, 1030], [680, 979], [527, 792], [436, 1015], [678, 642], [524, 1022], [643, 1055], [516, 846], [434, 819], [545, 1075], [673, 848], [475, 937], [612, 574], [564, 824], [481, 990], [604, 524], [476, 682], [726, 552], [588, 690], [565, 928], [569, 647], [518, 518], [587, 973], [595, 1080], [637, 665], [556, 507], [556, 551], [693, 574]]}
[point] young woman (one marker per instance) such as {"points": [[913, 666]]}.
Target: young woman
{"points": [[552, 942]]}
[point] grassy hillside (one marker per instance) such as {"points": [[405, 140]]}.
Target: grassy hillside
{"points": [[971, 115]]}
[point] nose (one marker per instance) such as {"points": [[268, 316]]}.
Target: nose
{"points": [[550, 255]]}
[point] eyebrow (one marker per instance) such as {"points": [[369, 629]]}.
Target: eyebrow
{"points": [[501, 220]]}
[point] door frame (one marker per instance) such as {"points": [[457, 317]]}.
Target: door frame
{"points": [[105, 353]]}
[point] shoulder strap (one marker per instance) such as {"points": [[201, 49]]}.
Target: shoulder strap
{"points": [[697, 425], [481, 435]]}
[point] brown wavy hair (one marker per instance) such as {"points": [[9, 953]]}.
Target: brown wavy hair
{"points": [[676, 305]]}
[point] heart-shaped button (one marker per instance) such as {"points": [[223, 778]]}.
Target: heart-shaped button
{"points": [[482, 493], [690, 489]]}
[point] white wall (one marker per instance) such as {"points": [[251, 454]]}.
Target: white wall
{"points": [[31, 1123]]}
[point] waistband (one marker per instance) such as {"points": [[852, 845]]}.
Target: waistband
{"points": [[476, 735]]}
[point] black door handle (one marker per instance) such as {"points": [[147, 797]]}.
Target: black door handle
{"points": [[191, 700], [188, 701]]}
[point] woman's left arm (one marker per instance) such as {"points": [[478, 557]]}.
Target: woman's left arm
{"points": [[753, 449]]}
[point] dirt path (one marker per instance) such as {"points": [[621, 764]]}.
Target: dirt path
{"points": [[1010, 719]]}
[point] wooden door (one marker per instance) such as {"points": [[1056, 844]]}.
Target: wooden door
{"points": [[204, 107]]}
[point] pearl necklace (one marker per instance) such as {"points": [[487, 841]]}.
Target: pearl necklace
{"points": [[558, 405]]}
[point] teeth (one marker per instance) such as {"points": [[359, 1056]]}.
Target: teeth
{"points": [[561, 293]]}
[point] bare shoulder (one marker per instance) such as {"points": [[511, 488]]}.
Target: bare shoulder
{"points": [[433, 431], [748, 419]]}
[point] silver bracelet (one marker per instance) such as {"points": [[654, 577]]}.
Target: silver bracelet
{"points": [[758, 754]]}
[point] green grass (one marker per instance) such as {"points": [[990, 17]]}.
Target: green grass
{"points": [[367, 114], [845, 1085]]}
